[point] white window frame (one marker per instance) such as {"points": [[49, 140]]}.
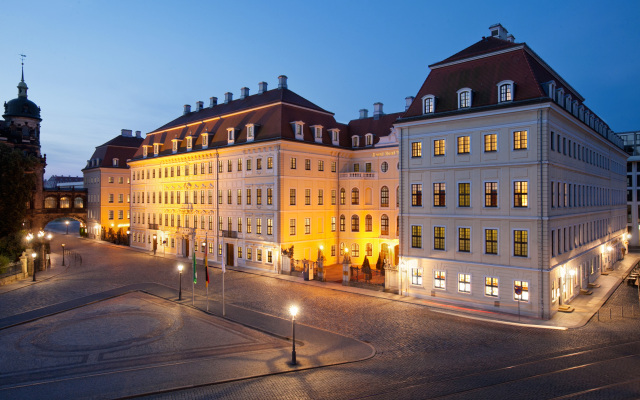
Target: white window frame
{"points": [[528, 291], [444, 287], [205, 140], [368, 139], [432, 100], [335, 136], [484, 240], [298, 129], [459, 97], [510, 84], [433, 147], [512, 239], [145, 150], [419, 278], [189, 143], [513, 194], [115, 162], [156, 149], [317, 133], [484, 147], [231, 135], [497, 288], [470, 283], [355, 141], [458, 239], [174, 146]]}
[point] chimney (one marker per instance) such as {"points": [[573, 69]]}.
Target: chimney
{"points": [[125, 132], [262, 87], [377, 110], [408, 100], [282, 82], [187, 109], [213, 101], [511, 38], [138, 134], [228, 97], [364, 113], [244, 92], [199, 105]]}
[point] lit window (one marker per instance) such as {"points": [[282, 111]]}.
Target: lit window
{"points": [[292, 227], [355, 250], [464, 283], [292, 197], [439, 280], [189, 143], [342, 223], [293, 163], [491, 286], [491, 241], [439, 194], [464, 240], [269, 162], [416, 194], [384, 225], [320, 197], [416, 276], [490, 142], [520, 194], [520, 243], [368, 223], [258, 163], [307, 197], [259, 226], [520, 140], [343, 197], [269, 226], [505, 91], [333, 224], [438, 147], [491, 194], [438, 237], [464, 195], [320, 165], [523, 288], [416, 149], [464, 98], [355, 196], [416, 236], [269, 196], [429, 104], [355, 223], [384, 197], [464, 144]]}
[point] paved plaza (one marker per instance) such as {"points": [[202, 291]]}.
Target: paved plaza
{"points": [[113, 327]]}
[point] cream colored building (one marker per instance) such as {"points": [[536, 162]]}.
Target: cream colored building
{"points": [[513, 192], [250, 177], [107, 179]]}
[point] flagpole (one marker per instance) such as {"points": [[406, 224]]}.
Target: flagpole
{"points": [[195, 275], [223, 272], [206, 266]]}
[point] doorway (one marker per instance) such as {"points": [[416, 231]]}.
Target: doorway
{"points": [[230, 255]]}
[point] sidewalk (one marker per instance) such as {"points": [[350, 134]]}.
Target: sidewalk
{"points": [[586, 306]]}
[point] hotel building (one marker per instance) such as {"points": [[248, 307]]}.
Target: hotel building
{"points": [[513, 191]]}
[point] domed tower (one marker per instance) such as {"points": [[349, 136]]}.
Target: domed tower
{"points": [[22, 121]]}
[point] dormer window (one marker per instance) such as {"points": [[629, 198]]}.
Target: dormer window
{"points": [[368, 139], [156, 149], [144, 152], [189, 143], [174, 146], [297, 129], [335, 136], [231, 133], [429, 103], [205, 140], [464, 98], [115, 162], [355, 141], [505, 91], [251, 132], [317, 133]]}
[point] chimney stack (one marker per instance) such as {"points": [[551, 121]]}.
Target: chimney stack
{"points": [[377, 110], [282, 82], [199, 105], [262, 87], [228, 97], [408, 100], [364, 113], [213, 101], [125, 132], [138, 134], [244, 92], [187, 109]]}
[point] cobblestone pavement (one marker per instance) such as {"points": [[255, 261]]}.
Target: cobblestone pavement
{"points": [[419, 353]]}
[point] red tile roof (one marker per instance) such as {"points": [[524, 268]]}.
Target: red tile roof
{"points": [[121, 147]]}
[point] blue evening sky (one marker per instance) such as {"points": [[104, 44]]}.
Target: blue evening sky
{"points": [[96, 67]]}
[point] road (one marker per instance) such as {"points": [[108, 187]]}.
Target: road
{"points": [[419, 353]]}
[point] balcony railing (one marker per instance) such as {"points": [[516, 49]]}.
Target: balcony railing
{"points": [[153, 227], [230, 234], [358, 175]]}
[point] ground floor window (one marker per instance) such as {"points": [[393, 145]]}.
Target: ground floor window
{"points": [[491, 286], [523, 288], [249, 253], [464, 283], [259, 255], [416, 276], [269, 256], [439, 279]]}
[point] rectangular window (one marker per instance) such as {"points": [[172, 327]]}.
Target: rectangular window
{"points": [[239, 197], [490, 142], [491, 194], [259, 226], [320, 165], [239, 252], [416, 149], [333, 197], [491, 241], [229, 196], [293, 163], [520, 243], [219, 196], [229, 166], [292, 227], [520, 194], [307, 197], [259, 255], [220, 170], [416, 194], [249, 255], [307, 226], [239, 224], [519, 140], [491, 286], [464, 144], [258, 163], [292, 197], [259, 197], [523, 288], [269, 196], [416, 276], [307, 164], [333, 250], [464, 283], [438, 147], [111, 197], [438, 237], [269, 226], [464, 240], [249, 164], [464, 195], [439, 279], [219, 223], [249, 225], [439, 197], [320, 197]]}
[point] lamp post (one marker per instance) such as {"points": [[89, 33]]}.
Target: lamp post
{"points": [[49, 236], [41, 242], [67, 224], [34, 265], [63, 254], [293, 310], [180, 267]]}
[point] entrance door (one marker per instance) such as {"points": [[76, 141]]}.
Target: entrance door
{"points": [[561, 291], [230, 255], [185, 247]]}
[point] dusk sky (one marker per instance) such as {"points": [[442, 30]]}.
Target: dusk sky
{"points": [[95, 67]]}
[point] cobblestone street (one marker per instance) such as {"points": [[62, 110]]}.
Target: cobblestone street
{"points": [[419, 353]]}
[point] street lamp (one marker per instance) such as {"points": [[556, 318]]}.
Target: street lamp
{"points": [[293, 310], [180, 267], [34, 265], [63, 254], [67, 223]]}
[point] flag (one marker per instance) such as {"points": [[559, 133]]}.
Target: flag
{"points": [[206, 262], [195, 273]]}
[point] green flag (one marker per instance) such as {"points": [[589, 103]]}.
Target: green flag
{"points": [[195, 273]]}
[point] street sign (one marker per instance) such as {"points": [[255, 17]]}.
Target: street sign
{"points": [[518, 290]]}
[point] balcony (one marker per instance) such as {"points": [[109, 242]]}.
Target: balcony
{"points": [[358, 175], [153, 227], [230, 234]]}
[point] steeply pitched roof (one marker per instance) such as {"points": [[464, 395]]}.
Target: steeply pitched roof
{"points": [[121, 147]]}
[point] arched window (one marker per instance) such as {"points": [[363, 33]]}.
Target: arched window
{"points": [[464, 98], [367, 196], [505, 91], [355, 250], [343, 197], [78, 202], [65, 202], [355, 223], [342, 223], [368, 223], [384, 197], [355, 196], [50, 202], [384, 225]]}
